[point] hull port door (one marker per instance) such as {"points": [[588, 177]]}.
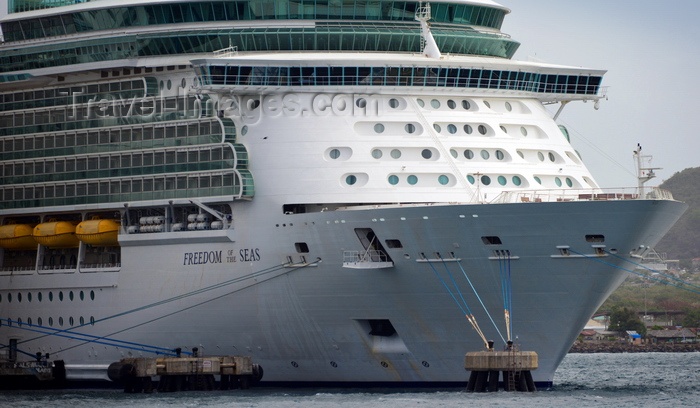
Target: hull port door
{"points": [[373, 256]]}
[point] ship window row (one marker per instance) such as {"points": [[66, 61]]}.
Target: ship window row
{"points": [[236, 183], [97, 140], [79, 94], [374, 37], [39, 296], [110, 113], [220, 157], [215, 74], [40, 322], [210, 11], [437, 180]]}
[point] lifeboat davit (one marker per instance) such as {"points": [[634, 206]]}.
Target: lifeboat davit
{"points": [[17, 237], [56, 234], [98, 232]]}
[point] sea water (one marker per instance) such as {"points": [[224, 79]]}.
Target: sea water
{"points": [[590, 380]]}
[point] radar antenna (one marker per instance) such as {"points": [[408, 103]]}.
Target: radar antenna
{"points": [[428, 46], [644, 172]]}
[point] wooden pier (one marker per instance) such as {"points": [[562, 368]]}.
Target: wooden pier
{"points": [[486, 366]]}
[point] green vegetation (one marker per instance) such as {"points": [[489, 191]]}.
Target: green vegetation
{"points": [[625, 319], [682, 240]]}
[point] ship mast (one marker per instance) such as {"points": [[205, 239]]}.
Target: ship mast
{"points": [[644, 173], [428, 46]]}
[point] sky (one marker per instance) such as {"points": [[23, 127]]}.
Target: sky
{"points": [[651, 50]]}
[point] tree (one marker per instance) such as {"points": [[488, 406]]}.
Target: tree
{"points": [[692, 319], [625, 319]]}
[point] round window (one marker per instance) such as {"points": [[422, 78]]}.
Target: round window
{"points": [[244, 130], [540, 156], [350, 180], [410, 128], [453, 153], [426, 154], [379, 128], [443, 179], [499, 155], [468, 129], [377, 154], [569, 182], [471, 179], [334, 154], [466, 105], [538, 180], [393, 180], [557, 181], [420, 103], [508, 107], [412, 180], [395, 153], [485, 180], [485, 154], [503, 128], [551, 157], [468, 154], [523, 130], [502, 180], [393, 103], [361, 102], [517, 181], [451, 104], [435, 103], [488, 105], [452, 128], [482, 129], [437, 127]]}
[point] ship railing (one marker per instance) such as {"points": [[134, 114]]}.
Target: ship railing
{"points": [[364, 256], [561, 195]]}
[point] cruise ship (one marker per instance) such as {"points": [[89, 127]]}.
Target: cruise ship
{"points": [[350, 192]]}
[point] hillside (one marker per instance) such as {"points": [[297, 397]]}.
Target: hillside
{"points": [[683, 240]]}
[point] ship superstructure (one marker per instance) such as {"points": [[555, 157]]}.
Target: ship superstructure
{"points": [[313, 184]]}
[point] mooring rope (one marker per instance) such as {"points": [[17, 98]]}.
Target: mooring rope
{"points": [[506, 290], [467, 313], [481, 301], [666, 275]]}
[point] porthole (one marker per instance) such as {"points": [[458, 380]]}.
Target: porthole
{"points": [[502, 180], [361, 102], [443, 179], [482, 129], [350, 180], [379, 128], [485, 180], [508, 107], [29, 296], [517, 181], [82, 295], [393, 103], [454, 153], [82, 321], [485, 154], [468, 154], [393, 180], [437, 127], [557, 181], [334, 154], [244, 130], [71, 321], [540, 156], [412, 180], [466, 105], [170, 84], [377, 154], [522, 156], [395, 153], [9, 298], [523, 130], [488, 105], [92, 320], [410, 128], [50, 296], [70, 295], [471, 179], [538, 180], [39, 296], [161, 84], [420, 103], [39, 321], [92, 295], [183, 83], [435, 104], [51, 321], [451, 104], [503, 128], [19, 321], [60, 296], [19, 297], [452, 128], [60, 321], [569, 182], [551, 157], [468, 129], [426, 154], [499, 155]]}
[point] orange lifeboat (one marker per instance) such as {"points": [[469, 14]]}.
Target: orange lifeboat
{"points": [[98, 232], [56, 234], [17, 237]]}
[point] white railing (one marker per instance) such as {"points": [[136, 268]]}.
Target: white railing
{"points": [[536, 196], [364, 256]]}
